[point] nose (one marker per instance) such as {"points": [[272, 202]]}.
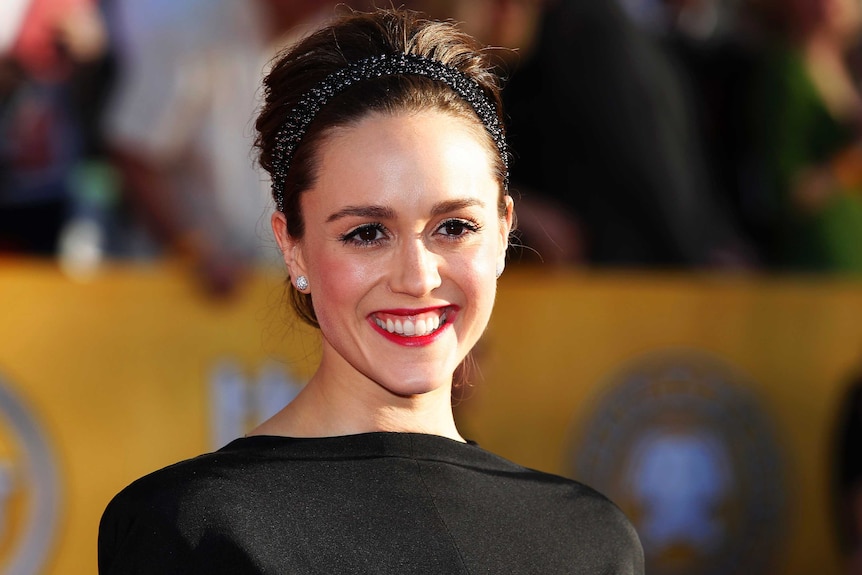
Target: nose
{"points": [[415, 270]]}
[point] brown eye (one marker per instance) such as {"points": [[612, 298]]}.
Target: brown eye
{"points": [[368, 234], [457, 228], [365, 235], [454, 228]]}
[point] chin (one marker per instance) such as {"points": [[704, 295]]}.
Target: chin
{"points": [[413, 388]]}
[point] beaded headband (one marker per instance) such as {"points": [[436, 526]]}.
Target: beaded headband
{"points": [[297, 121]]}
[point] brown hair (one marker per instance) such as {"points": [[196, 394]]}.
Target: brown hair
{"points": [[352, 37]]}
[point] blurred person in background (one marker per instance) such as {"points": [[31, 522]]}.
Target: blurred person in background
{"points": [[179, 125], [607, 152], [715, 45], [807, 116], [55, 72]]}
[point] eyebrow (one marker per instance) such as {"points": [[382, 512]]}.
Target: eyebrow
{"points": [[374, 212], [387, 213], [455, 205]]}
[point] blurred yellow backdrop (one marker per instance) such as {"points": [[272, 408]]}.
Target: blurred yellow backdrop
{"points": [[117, 375]]}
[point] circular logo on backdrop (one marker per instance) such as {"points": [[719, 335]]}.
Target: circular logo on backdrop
{"points": [[29, 488], [685, 449]]}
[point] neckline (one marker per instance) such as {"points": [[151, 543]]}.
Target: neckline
{"points": [[370, 445]]}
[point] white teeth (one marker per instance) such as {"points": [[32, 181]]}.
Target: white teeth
{"points": [[409, 327]]}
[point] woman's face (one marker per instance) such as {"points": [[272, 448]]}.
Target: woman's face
{"points": [[403, 237]]}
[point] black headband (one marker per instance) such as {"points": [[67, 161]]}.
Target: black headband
{"points": [[298, 119]]}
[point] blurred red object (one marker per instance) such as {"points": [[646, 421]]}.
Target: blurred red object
{"points": [[54, 32]]}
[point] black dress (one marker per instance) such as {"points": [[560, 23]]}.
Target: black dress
{"points": [[393, 503]]}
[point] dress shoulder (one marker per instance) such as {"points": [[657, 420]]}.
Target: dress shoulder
{"points": [[600, 537], [151, 525]]}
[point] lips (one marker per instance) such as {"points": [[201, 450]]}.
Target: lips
{"points": [[413, 327]]}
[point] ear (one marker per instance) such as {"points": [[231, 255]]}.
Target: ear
{"points": [[505, 229], [291, 249]]}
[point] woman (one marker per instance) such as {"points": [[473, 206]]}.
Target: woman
{"points": [[383, 137]]}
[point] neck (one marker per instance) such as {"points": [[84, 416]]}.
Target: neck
{"points": [[328, 406]]}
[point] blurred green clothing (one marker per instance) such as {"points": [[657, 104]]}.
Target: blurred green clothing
{"points": [[797, 131]]}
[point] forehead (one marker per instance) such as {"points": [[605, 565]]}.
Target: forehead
{"points": [[387, 159]]}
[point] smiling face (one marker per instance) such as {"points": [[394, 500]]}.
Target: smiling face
{"points": [[403, 234]]}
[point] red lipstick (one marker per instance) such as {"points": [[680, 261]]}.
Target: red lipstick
{"points": [[447, 315]]}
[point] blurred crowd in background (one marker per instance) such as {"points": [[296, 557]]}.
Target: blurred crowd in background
{"points": [[656, 134]]}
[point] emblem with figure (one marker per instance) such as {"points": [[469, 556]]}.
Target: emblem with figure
{"points": [[681, 443]]}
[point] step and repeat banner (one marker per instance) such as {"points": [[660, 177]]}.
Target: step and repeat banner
{"points": [[705, 406]]}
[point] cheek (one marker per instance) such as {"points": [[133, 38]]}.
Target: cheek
{"points": [[478, 278], [479, 273], [485, 263], [338, 282]]}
